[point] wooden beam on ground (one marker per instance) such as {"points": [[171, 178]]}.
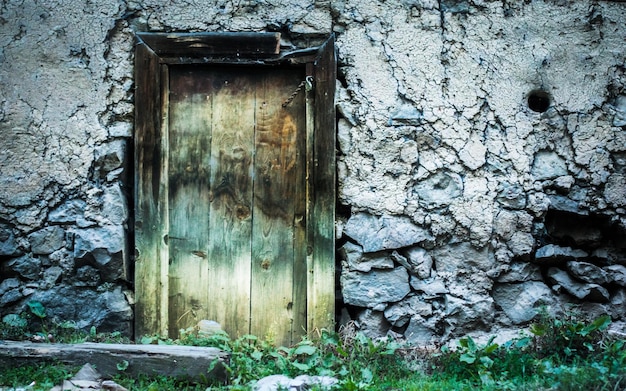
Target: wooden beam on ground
{"points": [[163, 360]]}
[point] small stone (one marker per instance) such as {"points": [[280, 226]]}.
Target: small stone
{"points": [[47, 240], [554, 252], [376, 233], [359, 261], [431, 287], [377, 287], [521, 272], [616, 274], [587, 272], [548, 165], [27, 267], [579, 290], [207, 328], [521, 302]]}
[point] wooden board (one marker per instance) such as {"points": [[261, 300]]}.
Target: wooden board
{"points": [[275, 168], [190, 123], [231, 200], [162, 360]]}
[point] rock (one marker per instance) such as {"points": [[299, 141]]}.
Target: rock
{"points": [[431, 287], [51, 276], [102, 248], [610, 255], [473, 153], [406, 114], [417, 261], [587, 272], [8, 284], [108, 310], [521, 243], [69, 212], [548, 165], [208, 328], [457, 256], [615, 190], [87, 372], [375, 233], [371, 290], [616, 274], [475, 311], [579, 290], [512, 195], [109, 156], [358, 261], [27, 267], [521, 302], [10, 296], [8, 244], [87, 276], [420, 331], [47, 240], [439, 189], [372, 323], [552, 252], [400, 313], [618, 303], [521, 272], [114, 207], [302, 382]]}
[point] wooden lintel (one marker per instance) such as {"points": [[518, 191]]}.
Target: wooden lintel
{"points": [[163, 360], [210, 44]]}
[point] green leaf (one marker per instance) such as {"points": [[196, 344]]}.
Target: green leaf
{"points": [[14, 320], [486, 361], [467, 358], [256, 355], [305, 349], [122, 365], [301, 366], [37, 309], [366, 375]]}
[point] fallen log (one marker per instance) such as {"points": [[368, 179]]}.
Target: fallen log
{"points": [[111, 359]]}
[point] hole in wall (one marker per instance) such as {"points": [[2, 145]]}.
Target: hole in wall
{"points": [[538, 101]]}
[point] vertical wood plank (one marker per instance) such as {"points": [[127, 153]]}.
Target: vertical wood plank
{"points": [[190, 116], [149, 194], [274, 194], [299, 329], [232, 153], [322, 273]]}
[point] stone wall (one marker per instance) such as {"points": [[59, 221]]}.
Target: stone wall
{"points": [[481, 155]]}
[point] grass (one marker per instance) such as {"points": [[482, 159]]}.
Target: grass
{"points": [[558, 354]]}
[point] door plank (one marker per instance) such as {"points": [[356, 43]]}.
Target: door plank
{"points": [[274, 194], [190, 116], [151, 196], [321, 286], [231, 200]]}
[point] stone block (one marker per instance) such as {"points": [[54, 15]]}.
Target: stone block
{"points": [[375, 289], [376, 233]]}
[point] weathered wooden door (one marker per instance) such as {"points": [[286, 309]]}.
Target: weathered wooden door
{"points": [[235, 186], [237, 199]]}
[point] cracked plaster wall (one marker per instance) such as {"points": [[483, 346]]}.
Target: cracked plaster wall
{"points": [[443, 169]]}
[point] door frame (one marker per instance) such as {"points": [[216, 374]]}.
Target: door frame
{"points": [[154, 53]]}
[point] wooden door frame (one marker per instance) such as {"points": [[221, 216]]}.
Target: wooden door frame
{"points": [[154, 53]]}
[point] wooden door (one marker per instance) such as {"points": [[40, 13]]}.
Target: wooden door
{"points": [[234, 184], [236, 199]]}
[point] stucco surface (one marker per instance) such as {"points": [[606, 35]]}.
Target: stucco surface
{"points": [[435, 135]]}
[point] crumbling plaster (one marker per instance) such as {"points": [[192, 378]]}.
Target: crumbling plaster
{"points": [[434, 136]]}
